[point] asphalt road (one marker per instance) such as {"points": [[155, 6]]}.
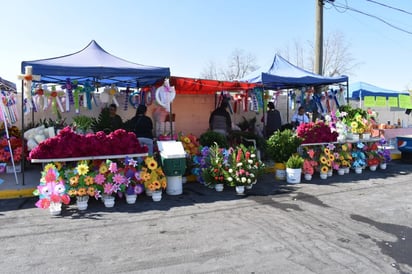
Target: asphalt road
{"points": [[344, 224]]}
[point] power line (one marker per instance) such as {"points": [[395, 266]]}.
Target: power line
{"points": [[390, 7], [373, 16]]}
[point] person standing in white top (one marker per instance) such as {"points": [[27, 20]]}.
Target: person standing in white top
{"points": [[300, 117]]}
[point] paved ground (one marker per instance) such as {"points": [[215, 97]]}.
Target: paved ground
{"points": [[345, 224]]}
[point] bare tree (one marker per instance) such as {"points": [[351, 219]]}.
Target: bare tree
{"points": [[337, 58], [239, 65]]}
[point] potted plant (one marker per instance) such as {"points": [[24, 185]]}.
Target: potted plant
{"points": [[210, 137], [215, 164], [153, 178], [280, 146], [51, 191], [244, 168], [294, 166]]}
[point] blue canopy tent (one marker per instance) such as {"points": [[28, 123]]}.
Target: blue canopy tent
{"points": [[281, 74], [359, 90], [95, 64], [7, 85]]}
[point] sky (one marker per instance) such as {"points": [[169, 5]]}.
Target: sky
{"points": [[186, 35]]}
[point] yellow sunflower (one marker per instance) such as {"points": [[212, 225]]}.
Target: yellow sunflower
{"points": [[163, 183], [186, 140], [354, 125], [82, 169], [151, 187], [327, 151], [156, 184], [74, 180], [323, 159], [58, 165], [331, 157], [89, 180], [152, 165], [145, 176], [90, 191], [103, 168], [72, 192], [82, 191], [324, 169]]}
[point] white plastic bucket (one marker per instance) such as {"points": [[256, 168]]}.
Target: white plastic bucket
{"points": [[293, 175], [174, 185]]}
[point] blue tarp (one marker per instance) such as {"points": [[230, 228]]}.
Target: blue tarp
{"points": [[282, 74], [95, 64], [362, 89]]}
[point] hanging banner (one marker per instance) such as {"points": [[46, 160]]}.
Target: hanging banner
{"points": [[380, 101], [405, 101], [393, 102], [369, 101]]}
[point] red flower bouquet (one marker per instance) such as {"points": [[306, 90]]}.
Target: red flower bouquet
{"points": [[68, 144], [318, 132]]}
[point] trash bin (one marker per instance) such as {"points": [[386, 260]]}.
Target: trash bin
{"points": [[173, 161]]}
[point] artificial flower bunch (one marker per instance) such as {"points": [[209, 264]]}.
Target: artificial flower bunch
{"points": [[200, 162], [383, 151], [343, 156], [16, 144], [68, 144], [216, 162], [131, 172], [372, 156], [151, 174], [310, 163], [244, 167], [190, 144], [326, 158], [318, 132], [358, 156], [51, 188], [80, 179]]}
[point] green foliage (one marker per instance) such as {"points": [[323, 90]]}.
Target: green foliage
{"points": [[102, 123], [82, 122], [58, 123], [237, 136], [210, 137], [295, 161], [352, 112], [282, 144]]}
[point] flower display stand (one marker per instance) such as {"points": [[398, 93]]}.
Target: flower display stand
{"points": [[219, 187], [157, 195], [82, 202]]}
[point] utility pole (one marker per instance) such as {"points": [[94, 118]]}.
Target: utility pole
{"points": [[319, 38]]}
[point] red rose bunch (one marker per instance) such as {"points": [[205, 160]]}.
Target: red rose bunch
{"points": [[68, 144]]}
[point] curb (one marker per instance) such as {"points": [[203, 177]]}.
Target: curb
{"points": [[20, 193]]}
